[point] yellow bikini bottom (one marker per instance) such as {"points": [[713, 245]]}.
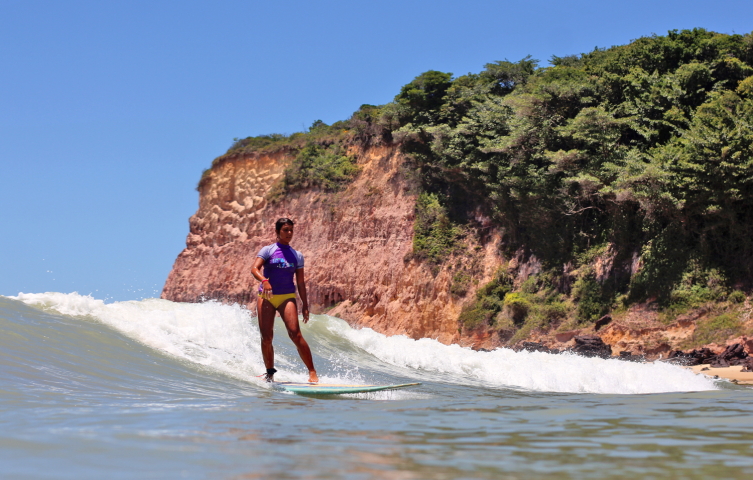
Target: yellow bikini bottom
{"points": [[278, 300]]}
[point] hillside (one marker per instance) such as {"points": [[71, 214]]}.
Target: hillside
{"points": [[609, 192]]}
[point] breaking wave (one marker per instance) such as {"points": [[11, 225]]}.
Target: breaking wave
{"points": [[225, 339]]}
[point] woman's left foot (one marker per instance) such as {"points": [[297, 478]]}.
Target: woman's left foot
{"points": [[313, 377]]}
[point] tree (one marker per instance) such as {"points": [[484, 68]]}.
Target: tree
{"points": [[423, 96]]}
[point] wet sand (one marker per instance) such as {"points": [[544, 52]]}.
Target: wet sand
{"points": [[730, 373]]}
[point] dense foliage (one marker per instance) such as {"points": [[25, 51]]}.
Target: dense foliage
{"points": [[643, 150], [315, 165], [321, 158], [435, 236], [318, 132], [647, 147]]}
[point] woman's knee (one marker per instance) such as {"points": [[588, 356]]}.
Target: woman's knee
{"points": [[295, 335]]}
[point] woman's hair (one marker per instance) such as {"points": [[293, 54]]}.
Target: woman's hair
{"points": [[282, 221]]}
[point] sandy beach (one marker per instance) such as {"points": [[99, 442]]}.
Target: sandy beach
{"points": [[730, 373]]}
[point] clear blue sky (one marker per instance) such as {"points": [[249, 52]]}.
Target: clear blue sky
{"points": [[109, 111]]}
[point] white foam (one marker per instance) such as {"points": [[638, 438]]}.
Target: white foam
{"points": [[226, 338], [528, 370], [218, 336], [222, 337]]}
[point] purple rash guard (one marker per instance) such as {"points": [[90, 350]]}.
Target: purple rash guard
{"points": [[280, 263]]}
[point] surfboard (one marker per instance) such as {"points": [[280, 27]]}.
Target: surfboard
{"points": [[335, 389]]}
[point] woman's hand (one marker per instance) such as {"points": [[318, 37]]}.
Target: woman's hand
{"points": [[266, 287], [266, 290], [301, 282]]}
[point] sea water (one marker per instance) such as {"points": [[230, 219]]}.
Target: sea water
{"points": [[156, 389]]}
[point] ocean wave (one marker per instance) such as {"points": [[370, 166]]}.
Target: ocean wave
{"points": [[536, 371], [226, 338]]}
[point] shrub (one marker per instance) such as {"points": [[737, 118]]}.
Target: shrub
{"points": [[696, 287], [461, 282], [717, 329], [531, 323], [593, 300], [422, 97], [366, 125], [518, 306], [204, 178], [530, 285], [261, 142], [319, 166], [488, 303], [435, 236], [554, 311], [736, 297], [475, 315]]}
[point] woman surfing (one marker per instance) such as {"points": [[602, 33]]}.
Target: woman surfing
{"points": [[277, 294]]}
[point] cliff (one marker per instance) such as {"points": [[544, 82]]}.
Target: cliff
{"points": [[356, 243], [606, 194]]}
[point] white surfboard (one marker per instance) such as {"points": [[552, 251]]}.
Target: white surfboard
{"points": [[335, 389]]}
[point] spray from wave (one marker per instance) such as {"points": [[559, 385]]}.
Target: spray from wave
{"points": [[209, 334], [536, 371], [226, 338]]}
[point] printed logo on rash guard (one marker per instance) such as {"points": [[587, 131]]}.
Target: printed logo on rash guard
{"points": [[279, 263]]}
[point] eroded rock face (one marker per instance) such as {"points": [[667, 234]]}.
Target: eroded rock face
{"points": [[355, 244]]}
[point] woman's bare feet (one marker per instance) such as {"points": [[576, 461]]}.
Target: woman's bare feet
{"points": [[313, 377]]}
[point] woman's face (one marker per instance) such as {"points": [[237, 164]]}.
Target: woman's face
{"points": [[286, 234]]}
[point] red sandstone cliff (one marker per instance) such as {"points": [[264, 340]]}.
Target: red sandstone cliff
{"points": [[355, 242], [357, 245]]}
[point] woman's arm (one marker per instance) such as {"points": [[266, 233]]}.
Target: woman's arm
{"points": [[265, 285], [300, 280]]}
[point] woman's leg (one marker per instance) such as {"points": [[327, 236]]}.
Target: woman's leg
{"points": [[266, 315], [289, 313]]}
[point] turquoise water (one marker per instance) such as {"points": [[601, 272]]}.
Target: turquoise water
{"points": [[155, 389]]}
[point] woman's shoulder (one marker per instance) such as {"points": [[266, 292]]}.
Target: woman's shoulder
{"points": [[299, 257], [267, 250]]}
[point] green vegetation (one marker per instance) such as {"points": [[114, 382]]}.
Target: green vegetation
{"points": [[716, 329], [644, 150], [489, 301], [622, 144], [435, 235], [319, 151], [518, 307], [461, 283], [646, 147], [536, 304], [261, 143], [318, 132], [592, 300], [737, 297], [317, 166], [699, 286]]}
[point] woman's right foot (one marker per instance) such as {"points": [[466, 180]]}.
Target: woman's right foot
{"points": [[313, 377]]}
